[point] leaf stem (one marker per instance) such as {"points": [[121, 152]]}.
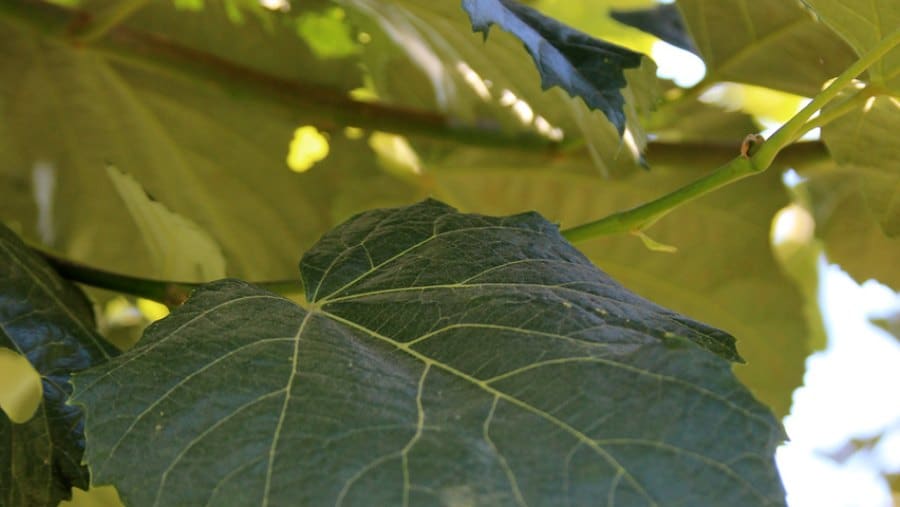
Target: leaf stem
{"points": [[167, 292], [647, 214]]}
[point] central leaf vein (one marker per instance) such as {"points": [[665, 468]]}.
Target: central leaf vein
{"points": [[502, 395]]}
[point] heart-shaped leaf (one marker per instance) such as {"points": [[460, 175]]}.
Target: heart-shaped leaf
{"points": [[444, 359], [50, 322]]}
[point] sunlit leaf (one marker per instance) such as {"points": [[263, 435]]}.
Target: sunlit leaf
{"points": [[307, 147], [864, 143], [50, 322], [771, 43], [20, 387], [593, 19], [395, 154], [209, 153], [178, 248], [444, 358], [102, 496], [845, 222], [863, 25], [328, 34]]}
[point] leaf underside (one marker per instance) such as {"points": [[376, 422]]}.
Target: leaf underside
{"points": [[50, 322], [771, 43], [444, 359], [863, 25]]}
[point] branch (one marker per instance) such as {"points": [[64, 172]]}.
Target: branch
{"points": [[167, 292], [645, 215]]}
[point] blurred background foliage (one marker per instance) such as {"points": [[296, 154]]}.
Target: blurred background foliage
{"points": [[196, 139]]}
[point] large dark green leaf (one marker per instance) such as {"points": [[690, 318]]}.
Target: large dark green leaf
{"points": [[580, 64], [863, 25], [50, 322], [723, 272], [444, 359], [772, 43]]}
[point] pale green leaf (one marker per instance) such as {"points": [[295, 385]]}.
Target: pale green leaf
{"points": [[178, 248], [845, 222], [771, 43], [864, 143], [50, 322], [328, 33], [863, 25], [445, 359], [209, 152]]}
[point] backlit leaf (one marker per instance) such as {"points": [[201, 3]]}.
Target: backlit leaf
{"points": [[845, 222], [863, 25], [209, 152], [772, 43], [443, 359], [178, 248], [864, 143], [50, 322]]}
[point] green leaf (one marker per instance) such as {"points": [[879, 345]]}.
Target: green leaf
{"points": [[477, 80], [695, 121], [444, 359], [580, 64], [209, 150], [724, 272], [852, 236], [663, 21], [863, 25], [328, 34], [179, 249], [864, 143], [50, 322], [771, 43]]}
